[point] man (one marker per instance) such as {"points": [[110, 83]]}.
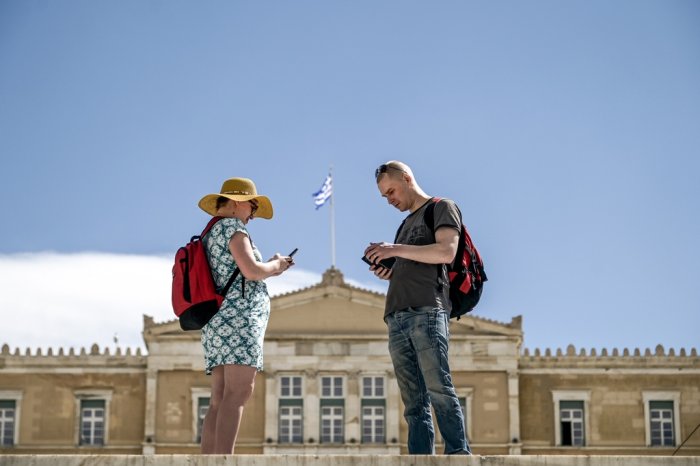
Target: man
{"points": [[418, 308]]}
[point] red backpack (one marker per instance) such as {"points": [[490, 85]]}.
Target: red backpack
{"points": [[195, 296]]}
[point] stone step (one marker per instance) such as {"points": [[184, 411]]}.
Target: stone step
{"points": [[343, 460]]}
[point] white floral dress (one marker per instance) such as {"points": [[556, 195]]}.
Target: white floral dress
{"points": [[235, 334]]}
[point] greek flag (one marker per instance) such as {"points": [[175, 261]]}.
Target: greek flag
{"points": [[326, 191]]}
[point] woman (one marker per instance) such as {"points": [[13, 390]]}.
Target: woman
{"points": [[233, 338]]}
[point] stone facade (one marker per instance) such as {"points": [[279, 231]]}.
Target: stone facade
{"points": [[329, 387]]}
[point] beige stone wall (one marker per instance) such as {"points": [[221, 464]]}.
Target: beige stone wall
{"points": [[489, 408], [616, 407], [174, 412], [49, 408]]}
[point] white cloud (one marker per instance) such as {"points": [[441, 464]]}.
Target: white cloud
{"points": [[74, 300]]}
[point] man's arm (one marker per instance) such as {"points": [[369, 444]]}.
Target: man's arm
{"points": [[441, 252]]}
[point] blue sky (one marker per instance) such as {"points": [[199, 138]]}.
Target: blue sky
{"points": [[568, 132]]}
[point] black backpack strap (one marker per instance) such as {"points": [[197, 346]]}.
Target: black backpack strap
{"points": [[398, 232], [430, 221], [226, 287], [429, 218], [429, 215]]}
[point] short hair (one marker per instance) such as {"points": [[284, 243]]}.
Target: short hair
{"points": [[392, 169]]}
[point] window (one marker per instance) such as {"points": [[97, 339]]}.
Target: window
{"points": [[92, 410], [291, 423], [331, 387], [202, 408], [201, 398], [10, 404], [291, 410], [661, 413], [331, 424], [372, 424], [332, 409], [8, 415], [571, 420], [373, 410], [92, 422], [571, 423], [290, 387], [373, 387], [661, 423]]}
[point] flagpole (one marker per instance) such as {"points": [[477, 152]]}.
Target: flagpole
{"points": [[330, 172]]}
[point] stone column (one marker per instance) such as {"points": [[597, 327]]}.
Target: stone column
{"points": [[393, 409], [514, 413], [312, 428], [352, 409], [149, 430], [271, 410]]}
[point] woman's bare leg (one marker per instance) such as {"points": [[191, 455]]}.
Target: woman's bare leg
{"points": [[209, 424], [239, 382]]}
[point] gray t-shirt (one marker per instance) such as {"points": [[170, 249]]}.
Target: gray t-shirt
{"points": [[415, 284]]}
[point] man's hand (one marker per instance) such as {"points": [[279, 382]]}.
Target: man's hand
{"points": [[376, 252], [381, 272]]}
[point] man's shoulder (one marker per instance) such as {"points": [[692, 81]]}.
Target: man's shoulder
{"points": [[442, 204], [444, 201], [446, 213]]}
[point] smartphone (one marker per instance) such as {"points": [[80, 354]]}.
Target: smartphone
{"points": [[386, 263]]}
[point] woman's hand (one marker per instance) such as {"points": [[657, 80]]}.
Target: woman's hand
{"points": [[242, 252], [281, 263]]}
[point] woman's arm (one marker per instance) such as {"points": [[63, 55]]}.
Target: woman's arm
{"points": [[242, 253]]}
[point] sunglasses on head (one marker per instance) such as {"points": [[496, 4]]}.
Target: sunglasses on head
{"points": [[383, 169]]}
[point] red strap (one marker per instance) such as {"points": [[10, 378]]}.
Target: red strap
{"points": [[209, 226]]}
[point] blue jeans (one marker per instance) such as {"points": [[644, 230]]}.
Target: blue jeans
{"points": [[418, 342]]}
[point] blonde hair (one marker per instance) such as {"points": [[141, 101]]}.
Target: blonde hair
{"points": [[393, 169]]}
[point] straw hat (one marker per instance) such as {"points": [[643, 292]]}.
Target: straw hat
{"points": [[238, 189]]}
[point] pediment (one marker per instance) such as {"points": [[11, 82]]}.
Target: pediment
{"points": [[472, 325], [333, 309], [327, 310]]}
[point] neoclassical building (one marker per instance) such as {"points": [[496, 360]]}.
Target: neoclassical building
{"points": [[329, 387]]}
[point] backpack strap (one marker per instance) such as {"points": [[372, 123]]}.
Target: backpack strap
{"points": [[209, 226], [236, 271], [398, 232], [429, 209], [429, 218], [465, 243], [226, 287]]}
